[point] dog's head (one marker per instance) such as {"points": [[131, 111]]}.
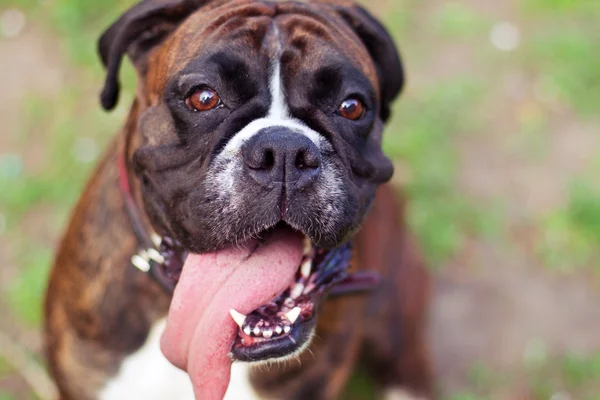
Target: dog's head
{"points": [[256, 118]]}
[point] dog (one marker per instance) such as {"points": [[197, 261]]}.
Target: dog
{"points": [[247, 199]]}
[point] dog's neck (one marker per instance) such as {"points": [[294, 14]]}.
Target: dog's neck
{"points": [[160, 257]]}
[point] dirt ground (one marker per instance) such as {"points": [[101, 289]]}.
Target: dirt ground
{"points": [[495, 304]]}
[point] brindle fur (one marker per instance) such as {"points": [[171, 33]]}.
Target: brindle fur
{"points": [[99, 308]]}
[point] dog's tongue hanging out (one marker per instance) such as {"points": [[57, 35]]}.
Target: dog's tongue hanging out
{"points": [[199, 331]]}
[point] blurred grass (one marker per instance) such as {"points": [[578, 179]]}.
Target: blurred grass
{"points": [[564, 50], [422, 136], [458, 20], [571, 234], [574, 375], [25, 295], [423, 133]]}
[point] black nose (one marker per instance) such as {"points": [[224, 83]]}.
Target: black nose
{"points": [[280, 155]]}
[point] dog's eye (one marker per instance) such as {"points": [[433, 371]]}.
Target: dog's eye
{"points": [[352, 109], [204, 99]]}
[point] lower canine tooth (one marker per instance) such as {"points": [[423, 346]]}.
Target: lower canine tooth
{"points": [[297, 291], [305, 268], [293, 315], [238, 317], [267, 334]]}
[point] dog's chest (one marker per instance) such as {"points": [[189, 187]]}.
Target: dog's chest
{"points": [[148, 375]]}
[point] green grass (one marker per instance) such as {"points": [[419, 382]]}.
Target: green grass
{"points": [[72, 124], [567, 59], [466, 396], [422, 136], [455, 20], [26, 293], [55, 188], [62, 126], [570, 235], [544, 375], [4, 367], [577, 375]]}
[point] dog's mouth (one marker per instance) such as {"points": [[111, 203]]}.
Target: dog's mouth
{"points": [[285, 325], [278, 281]]}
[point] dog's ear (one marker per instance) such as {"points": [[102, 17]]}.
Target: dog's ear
{"points": [[383, 51], [137, 32]]}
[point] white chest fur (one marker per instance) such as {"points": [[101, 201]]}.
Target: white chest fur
{"points": [[148, 375]]}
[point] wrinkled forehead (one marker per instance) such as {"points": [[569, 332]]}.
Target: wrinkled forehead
{"points": [[304, 35]]}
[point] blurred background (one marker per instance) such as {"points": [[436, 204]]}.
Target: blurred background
{"points": [[497, 143]]}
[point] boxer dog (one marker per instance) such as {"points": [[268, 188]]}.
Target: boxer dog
{"points": [[239, 228]]}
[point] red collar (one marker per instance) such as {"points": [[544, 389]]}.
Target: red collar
{"points": [[161, 258]]}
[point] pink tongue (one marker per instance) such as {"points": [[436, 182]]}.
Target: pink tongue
{"points": [[199, 331]]}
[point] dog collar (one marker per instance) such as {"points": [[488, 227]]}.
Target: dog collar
{"points": [[160, 257]]}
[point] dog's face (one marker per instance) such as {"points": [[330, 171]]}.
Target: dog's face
{"points": [[255, 115]]}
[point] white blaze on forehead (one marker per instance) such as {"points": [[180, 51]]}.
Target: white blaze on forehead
{"points": [[278, 115], [279, 109]]}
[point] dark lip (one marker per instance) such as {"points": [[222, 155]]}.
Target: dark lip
{"points": [[275, 348], [332, 266], [331, 269]]}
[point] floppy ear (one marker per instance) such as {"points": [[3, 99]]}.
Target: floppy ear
{"points": [[383, 51], [137, 32]]}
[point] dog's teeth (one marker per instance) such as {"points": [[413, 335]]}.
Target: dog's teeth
{"points": [[293, 315], [157, 240], [278, 330], [154, 255], [140, 263], [238, 317], [267, 334], [247, 330], [305, 268], [307, 246], [256, 331], [287, 328], [297, 291]]}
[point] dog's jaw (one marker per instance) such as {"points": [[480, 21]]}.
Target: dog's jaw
{"points": [[284, 326]]}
